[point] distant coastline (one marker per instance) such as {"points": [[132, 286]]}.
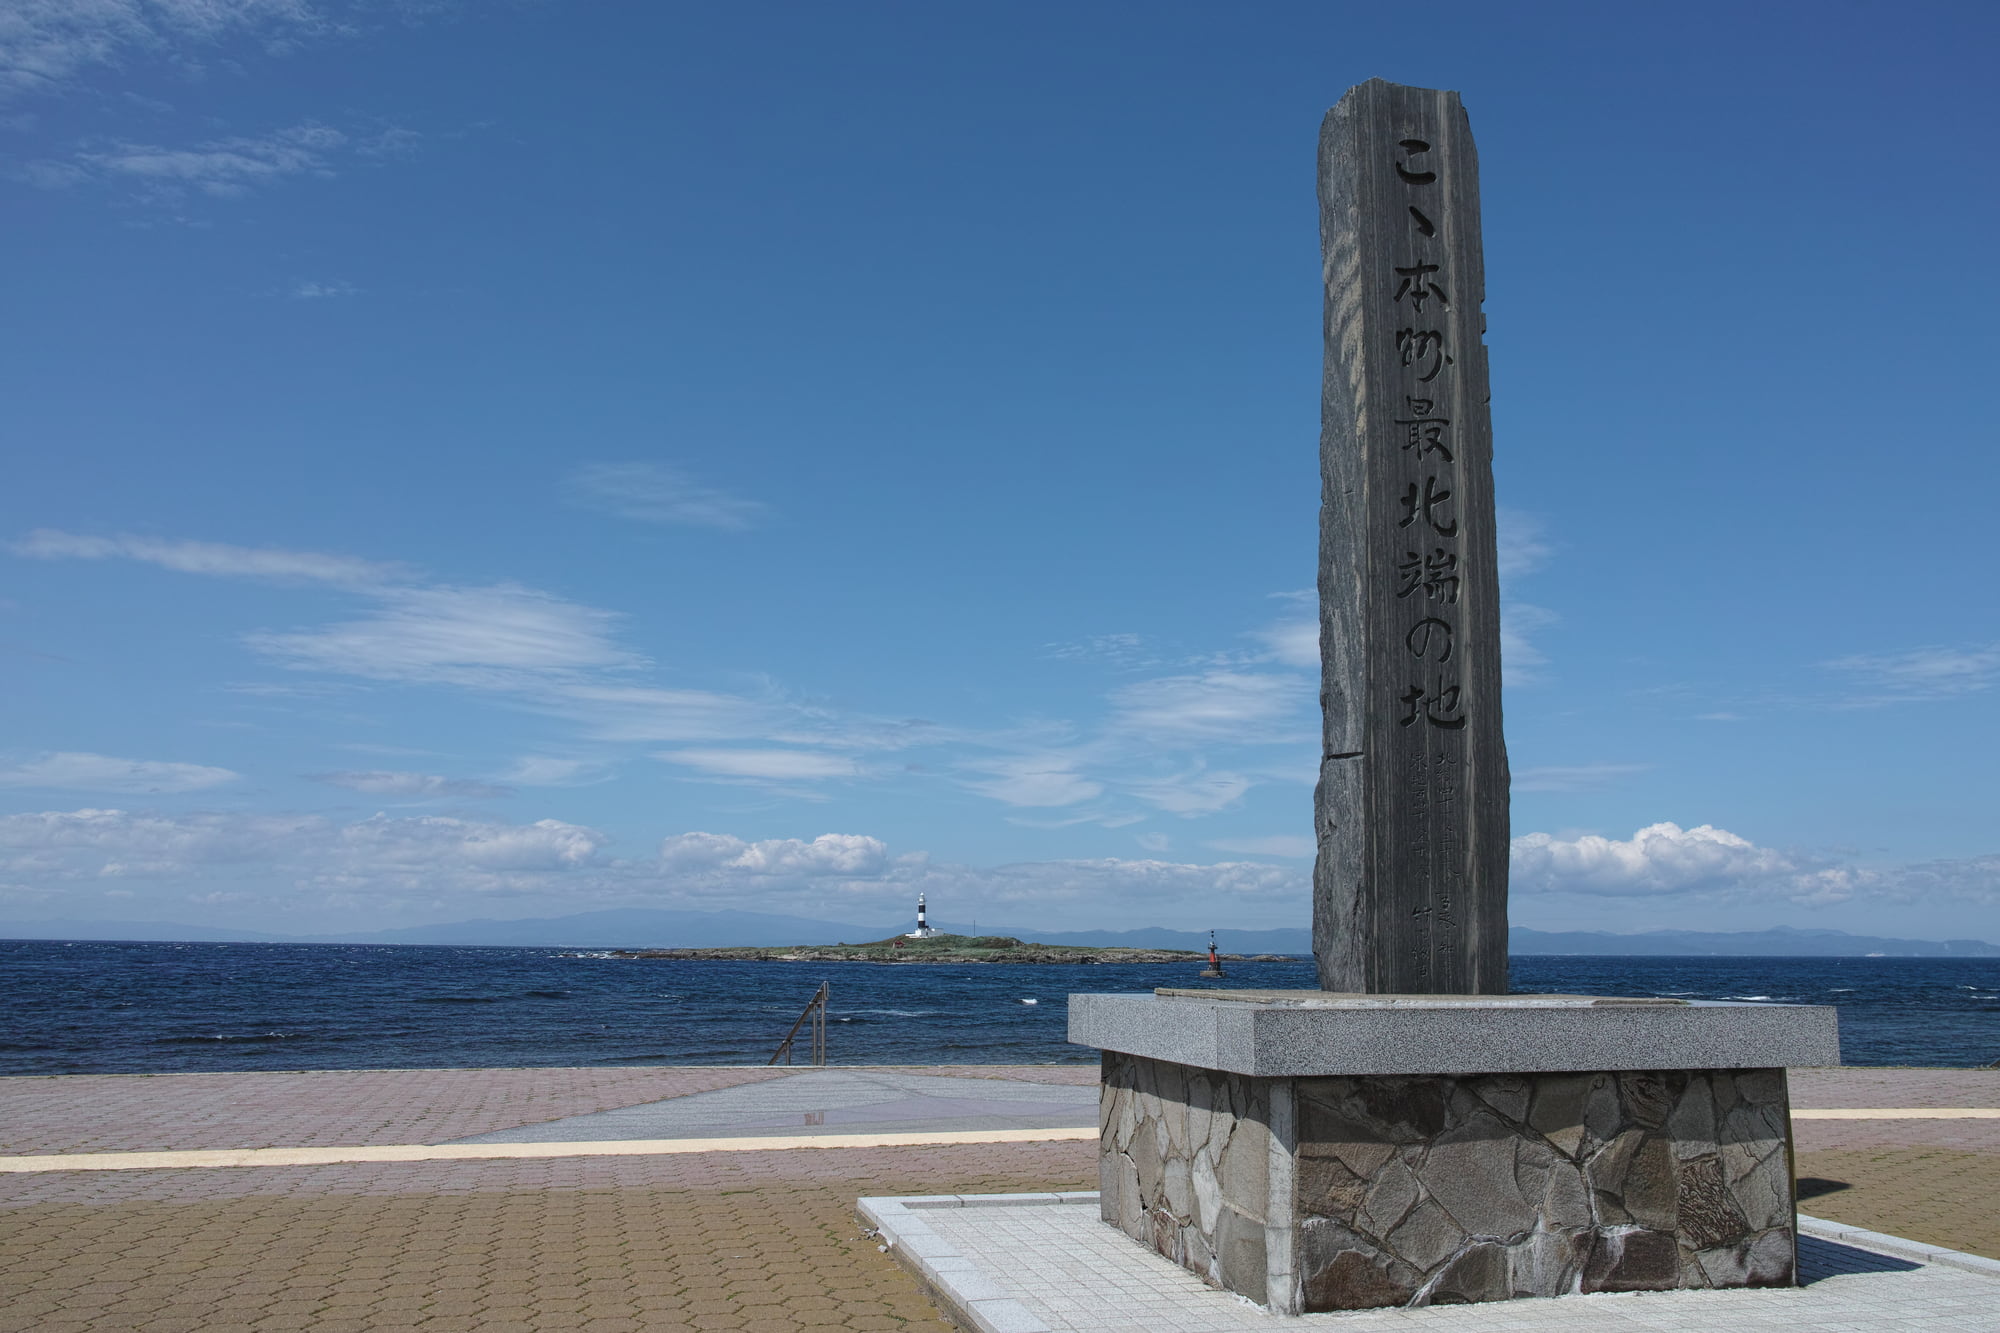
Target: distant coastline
{"points": [[955, 949], [649, 928]]}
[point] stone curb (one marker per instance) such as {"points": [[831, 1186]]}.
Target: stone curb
{"points": [[968, 1297], [1897, 1246], [441, 1152], [971, 1299]]}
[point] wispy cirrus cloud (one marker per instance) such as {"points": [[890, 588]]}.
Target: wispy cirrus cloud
{"points": [[1221, 705], [1194, 791], [1522, 546], [771, 765], [539, 651], [1575, 777], [215, 558], [1040, 781], [218, 168], [321, 291], [660, 493], [1293, 846], [1919, 675], [77, 771], [1519, 657], [1119, 650], [1293, 643], [537, 770], [487, 637], [533, 650], [416, 786], [46, 44]]}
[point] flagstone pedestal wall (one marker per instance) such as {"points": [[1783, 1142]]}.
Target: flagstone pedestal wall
{"points": [[1317, 1152]]}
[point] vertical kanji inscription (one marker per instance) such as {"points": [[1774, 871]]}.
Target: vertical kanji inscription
{"points": [[1410, 887]]}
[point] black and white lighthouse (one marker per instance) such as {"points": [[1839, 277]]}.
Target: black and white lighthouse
{"points": [[923, 930]]}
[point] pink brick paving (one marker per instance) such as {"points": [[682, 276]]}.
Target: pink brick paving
{"points": [[339, 1108]]}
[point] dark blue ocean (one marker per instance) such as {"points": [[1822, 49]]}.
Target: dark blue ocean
{"points": [[91, 1007]]}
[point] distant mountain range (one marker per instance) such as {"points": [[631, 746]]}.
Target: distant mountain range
{"points": [[640, 927], [1780, 942]]}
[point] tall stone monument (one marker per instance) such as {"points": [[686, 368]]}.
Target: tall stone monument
{"points": [[1411, 1133], [1410, 888]]}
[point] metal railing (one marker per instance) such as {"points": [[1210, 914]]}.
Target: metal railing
{"points": [[816, 1012]]}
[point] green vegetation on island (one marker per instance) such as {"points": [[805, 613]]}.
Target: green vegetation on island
{"points": [[939, 948]]}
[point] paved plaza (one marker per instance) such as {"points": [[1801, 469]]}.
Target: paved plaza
{"points": [[754, 1238]]}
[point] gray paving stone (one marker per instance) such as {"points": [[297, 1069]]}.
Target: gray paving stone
{"points": [[1066, 1270], [827, 1101]]}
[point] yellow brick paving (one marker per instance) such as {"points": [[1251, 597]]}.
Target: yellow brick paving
{"points": [[751, 1241], [1936, 1195]]}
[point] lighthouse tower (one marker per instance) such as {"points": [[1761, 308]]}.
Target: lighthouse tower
{"points": [[923, 930]]}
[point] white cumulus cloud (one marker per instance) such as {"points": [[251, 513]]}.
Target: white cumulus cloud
{"points": [[1661, 858], [842, 854]]}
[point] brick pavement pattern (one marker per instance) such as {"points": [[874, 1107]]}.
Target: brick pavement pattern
{"points": [[1895, 1087], [350, 1107], [1938, 1195], [760, 1242], [748, 1240]]}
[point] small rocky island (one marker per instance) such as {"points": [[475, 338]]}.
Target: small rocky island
{"points": [[937, 947]]}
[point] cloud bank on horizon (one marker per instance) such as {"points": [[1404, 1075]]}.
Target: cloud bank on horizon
{"points": [[267, 868]]}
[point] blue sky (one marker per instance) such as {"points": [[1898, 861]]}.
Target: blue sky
{"points": [[519, 458]]}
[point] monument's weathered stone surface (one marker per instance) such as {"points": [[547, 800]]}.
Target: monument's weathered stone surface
{"points": [[1351, 1193], [1410, 888]]}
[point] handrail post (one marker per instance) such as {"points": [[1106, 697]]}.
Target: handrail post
{"points": [[819, 1025], [815, 1012]]}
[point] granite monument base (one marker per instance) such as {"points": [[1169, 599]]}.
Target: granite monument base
{"points": [[1302, 1163]]}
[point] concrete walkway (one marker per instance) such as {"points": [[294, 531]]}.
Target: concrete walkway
{"points": [[833, 1100], [1008, 1264]]}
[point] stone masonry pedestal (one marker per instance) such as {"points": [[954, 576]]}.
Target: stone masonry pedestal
{"points": [[1316, 1151]]}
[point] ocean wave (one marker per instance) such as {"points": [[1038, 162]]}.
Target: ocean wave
{"points": [[233, 1036]]}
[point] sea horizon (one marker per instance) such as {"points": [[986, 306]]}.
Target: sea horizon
{"points": [[96, 1006]]}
